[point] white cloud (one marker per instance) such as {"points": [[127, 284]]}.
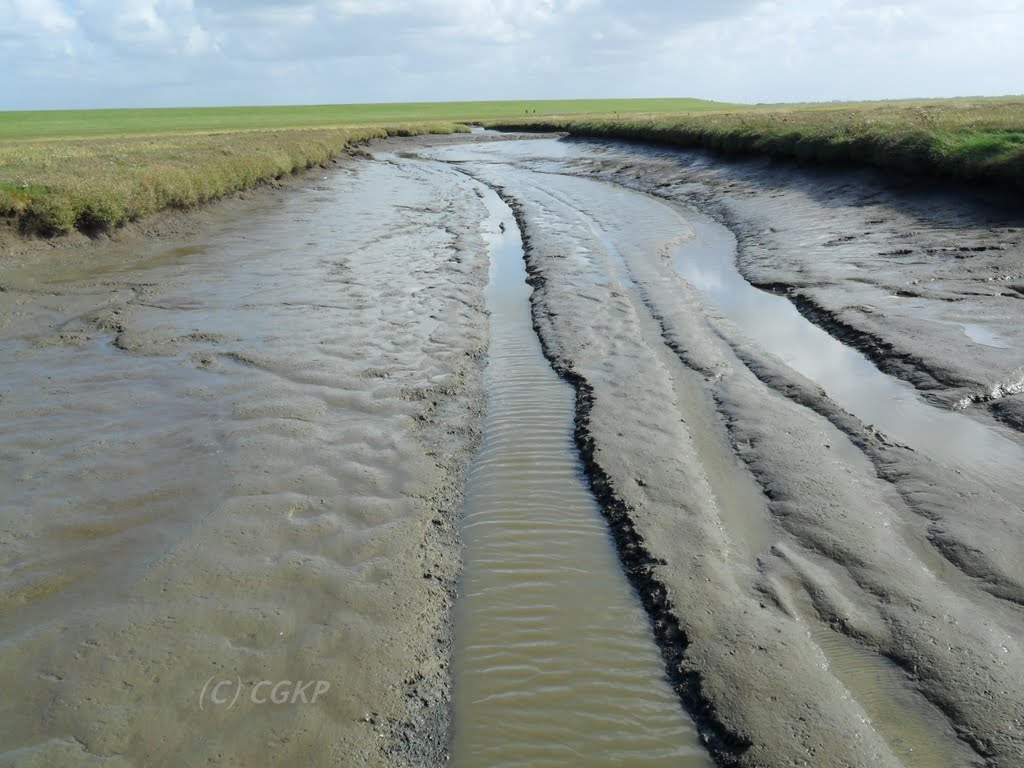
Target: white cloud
{"points": [[28, 20], [144, 28], [254, 51], [199, 41]]}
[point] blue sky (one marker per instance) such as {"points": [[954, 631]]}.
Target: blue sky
{"points": [[108, 53]]}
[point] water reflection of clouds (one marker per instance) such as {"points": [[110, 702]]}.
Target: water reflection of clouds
{"points": [[631, 221], [980, 334], [851, 380]]}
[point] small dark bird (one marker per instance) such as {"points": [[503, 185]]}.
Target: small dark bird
{"points": [[501, 226]]}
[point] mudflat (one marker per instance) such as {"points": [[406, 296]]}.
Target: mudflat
{"points": [[238, 453], [235, 453], [826, 594]]}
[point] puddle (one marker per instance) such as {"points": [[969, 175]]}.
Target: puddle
{"points": [[979, 334], [982, 335], [849, 378], [554, 660]]}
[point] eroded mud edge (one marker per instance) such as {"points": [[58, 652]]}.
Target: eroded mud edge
{"points": [[725, 747], [452, 431], [933, 383], [930, 381], [939, 386]]}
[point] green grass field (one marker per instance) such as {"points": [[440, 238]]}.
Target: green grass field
{"points": [[128, 122], [97, 170]]}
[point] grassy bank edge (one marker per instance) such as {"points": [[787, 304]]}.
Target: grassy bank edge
{"points": [[108, 183], [988, 153]]}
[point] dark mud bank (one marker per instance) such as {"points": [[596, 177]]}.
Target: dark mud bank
{"points": [[882, 353]]}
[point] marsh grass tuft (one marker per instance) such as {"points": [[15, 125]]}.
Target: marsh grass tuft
{"points": [[93, 185], [961, 139]]}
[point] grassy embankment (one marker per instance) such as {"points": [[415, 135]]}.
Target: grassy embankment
{"points": [[969, 139], [53, 187], [94, 170]]}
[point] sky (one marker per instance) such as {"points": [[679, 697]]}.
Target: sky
{"points": [[126, 53]]}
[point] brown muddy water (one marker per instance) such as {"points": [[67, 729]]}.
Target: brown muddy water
{"points": [[555, 662]]}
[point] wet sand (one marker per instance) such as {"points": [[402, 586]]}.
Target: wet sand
{"points": [[241, 451]]}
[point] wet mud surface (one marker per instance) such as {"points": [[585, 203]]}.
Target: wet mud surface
{"points": [[554, 660], [789, 411], [859, 602], [924, 281], [241, 457]]}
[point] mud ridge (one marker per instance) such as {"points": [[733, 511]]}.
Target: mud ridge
{"points": [[998, 392], [937, 384], [726, 748], [868, 439], [1008, 411], [873, 443], [902, 365], [865, 439]]}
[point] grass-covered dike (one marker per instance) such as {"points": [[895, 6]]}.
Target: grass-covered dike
{"points": [[972, 140]]}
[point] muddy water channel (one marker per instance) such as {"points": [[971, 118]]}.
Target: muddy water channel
{"points": [[322, 438], [555, 662], [789, 487]]}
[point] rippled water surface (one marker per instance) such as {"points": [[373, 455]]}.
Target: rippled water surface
{"points": [[555, 663]]}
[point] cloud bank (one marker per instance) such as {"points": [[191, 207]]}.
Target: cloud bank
{"points": [[95, 53]]}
